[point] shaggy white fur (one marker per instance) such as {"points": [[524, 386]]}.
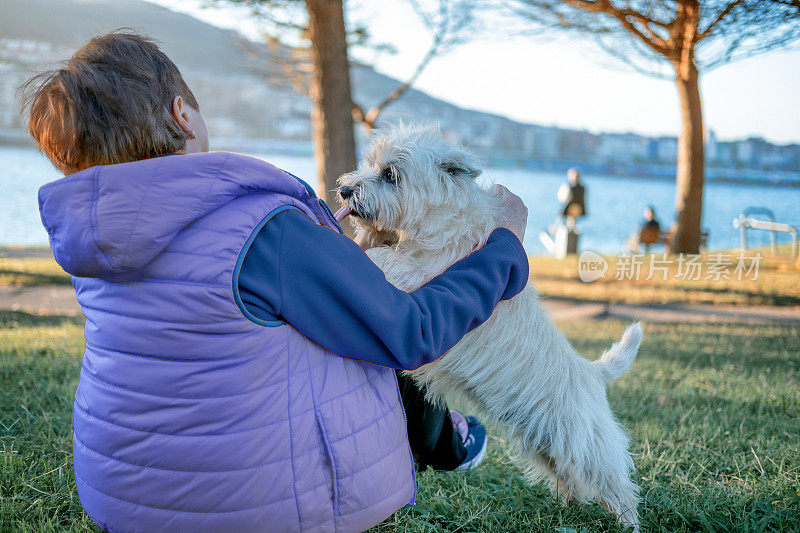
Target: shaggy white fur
{"points": [[418, 209]]}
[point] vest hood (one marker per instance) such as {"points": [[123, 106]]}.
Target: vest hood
{"points": [[114, 219]]}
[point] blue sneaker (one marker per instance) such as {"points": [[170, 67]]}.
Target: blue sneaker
{"points": [[473, 436]]}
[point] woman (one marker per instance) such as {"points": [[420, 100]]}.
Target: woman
{"points": [[217, 290]]}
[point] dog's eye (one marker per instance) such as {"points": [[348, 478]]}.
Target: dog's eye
{"points": [[388, 174]]}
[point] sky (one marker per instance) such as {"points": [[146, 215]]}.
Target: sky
{"points": [[566, 82]]}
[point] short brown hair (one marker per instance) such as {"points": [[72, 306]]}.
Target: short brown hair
{"points": [[110, 103]]}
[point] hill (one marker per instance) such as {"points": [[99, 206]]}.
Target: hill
{"points": [[242, 103], [237, 100]]}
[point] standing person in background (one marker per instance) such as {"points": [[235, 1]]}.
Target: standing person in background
{"points": [[573, 196]]}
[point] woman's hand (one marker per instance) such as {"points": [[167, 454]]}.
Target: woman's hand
{"points": [[514, 215]]}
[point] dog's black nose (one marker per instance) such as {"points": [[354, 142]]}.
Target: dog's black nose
{"points": [[345, 192]]}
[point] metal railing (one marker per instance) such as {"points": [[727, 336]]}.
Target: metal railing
{"points": [[746, 221]]}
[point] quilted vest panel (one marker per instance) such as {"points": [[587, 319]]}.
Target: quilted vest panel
{"points": [[189, 417]]}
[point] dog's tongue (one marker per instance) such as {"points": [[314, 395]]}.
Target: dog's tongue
{"points": [[341, 214]]}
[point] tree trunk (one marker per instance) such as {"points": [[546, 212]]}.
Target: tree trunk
{"points": [[334, 139], [690, 177]]}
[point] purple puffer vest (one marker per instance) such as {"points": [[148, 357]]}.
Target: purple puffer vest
{"points": [[189, 416]]}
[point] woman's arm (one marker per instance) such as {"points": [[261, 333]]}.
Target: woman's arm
{"points": [[326, 287]]}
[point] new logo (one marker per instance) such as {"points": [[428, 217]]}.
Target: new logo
{"points": [[591, 266]]}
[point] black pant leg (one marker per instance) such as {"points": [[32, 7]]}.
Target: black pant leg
{"points": [[431, 435]]}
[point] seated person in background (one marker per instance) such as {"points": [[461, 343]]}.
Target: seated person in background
{"points": [[649, 233]]}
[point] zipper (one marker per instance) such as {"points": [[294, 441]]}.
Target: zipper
{"points": [[411, 455], [325, 207]]}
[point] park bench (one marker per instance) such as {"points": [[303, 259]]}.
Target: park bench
{"points": [[651, 236]]}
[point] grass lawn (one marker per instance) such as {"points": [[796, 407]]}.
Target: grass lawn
{"points": [[31, 272], [778, 282], [712, 412]]}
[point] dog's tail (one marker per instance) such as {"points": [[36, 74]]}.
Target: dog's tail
{"points": [[616, 360]]}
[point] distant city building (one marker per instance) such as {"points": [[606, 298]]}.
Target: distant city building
{"points": [[623, 148], [712, 147], [745, 152], [577, 146], [542, 143], [666, 150]]}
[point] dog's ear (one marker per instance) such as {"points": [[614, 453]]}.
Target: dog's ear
{"points": [[461, 163]]}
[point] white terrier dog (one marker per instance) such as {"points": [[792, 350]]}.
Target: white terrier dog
{"points": [[418, 209]]}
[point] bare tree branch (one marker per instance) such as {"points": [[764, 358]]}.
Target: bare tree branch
{"points": [[725, 30], [443, 36], [626, 18], [372, 115], [722, 14], [280, 65], [422, 14], [790, 3], [359, 115], [640, 62], [284, 65]]}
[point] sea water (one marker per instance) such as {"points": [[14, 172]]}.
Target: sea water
{"points": [[615, 203]]}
